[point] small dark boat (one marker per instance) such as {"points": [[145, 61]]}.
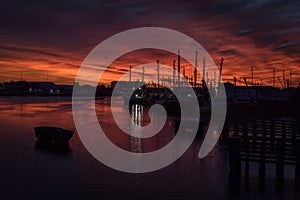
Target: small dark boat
{"points": [[53, 134]]}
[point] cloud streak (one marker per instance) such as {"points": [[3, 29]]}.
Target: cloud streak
{"points": [[259, 33]]}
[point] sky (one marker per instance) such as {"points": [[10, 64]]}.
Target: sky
{"points": [[48, 40]]}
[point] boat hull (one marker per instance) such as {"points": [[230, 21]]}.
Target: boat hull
{"points": [[53, 134]]}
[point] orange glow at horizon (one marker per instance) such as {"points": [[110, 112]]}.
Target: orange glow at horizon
{"points": [[62, 70], [259, 34]]}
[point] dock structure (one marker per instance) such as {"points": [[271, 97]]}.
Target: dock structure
{"points": [[264, 142]]}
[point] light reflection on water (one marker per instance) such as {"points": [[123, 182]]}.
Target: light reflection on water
{"points": [[78, 175]]}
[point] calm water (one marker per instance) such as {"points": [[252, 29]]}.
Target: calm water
{"points": [[30, 173]]}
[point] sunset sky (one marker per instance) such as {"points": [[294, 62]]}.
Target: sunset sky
{"points": [[41, 39]]}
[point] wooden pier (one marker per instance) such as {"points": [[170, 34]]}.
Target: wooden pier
{"points": [[263, 141]]}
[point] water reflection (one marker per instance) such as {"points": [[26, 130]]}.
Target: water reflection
{"points": [[137, 114], [32, 111], [23, 167], [52, 147], [134, 122], [137, 118]]}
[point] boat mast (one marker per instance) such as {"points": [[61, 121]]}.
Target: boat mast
{"points": [[283, 75], [290, 78], [174, 68], [252, 75], [130, 74], [215, 77], [221, 67], [195, 70], [274, 77], [158, 83], [203, 74], [143, 74], [178, 68]]}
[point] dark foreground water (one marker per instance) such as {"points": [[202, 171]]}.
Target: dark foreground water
{"points": [[30, 173]]}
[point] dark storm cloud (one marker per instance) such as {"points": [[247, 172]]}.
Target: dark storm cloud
{"points": [[229, 52], [286, 45], [244, 32], [70, 20], [30, 50]]}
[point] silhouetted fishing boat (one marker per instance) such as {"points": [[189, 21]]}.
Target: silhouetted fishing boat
{"points": [[53, 134]]}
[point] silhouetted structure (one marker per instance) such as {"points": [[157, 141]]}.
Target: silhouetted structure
{"points": [[263, 141]]}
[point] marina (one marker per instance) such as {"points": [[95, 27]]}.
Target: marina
{"points": [[150, 100], [180, 177]]}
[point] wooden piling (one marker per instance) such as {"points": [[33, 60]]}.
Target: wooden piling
{"points": [[234, 159], [225, 134], [262, 161], [279, 161], [297, 168], [264, 142], [246, 144]]}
